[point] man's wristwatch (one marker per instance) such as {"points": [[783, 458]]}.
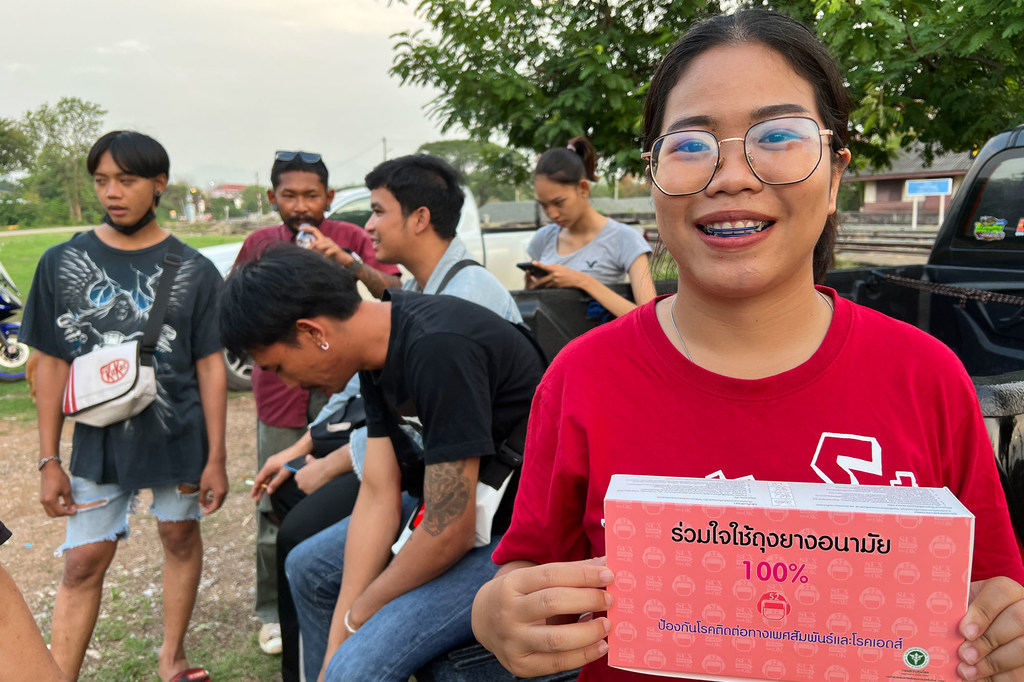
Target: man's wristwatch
{"points": [[44, 460], [356, 263]]}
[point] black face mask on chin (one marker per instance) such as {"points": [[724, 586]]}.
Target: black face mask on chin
{"points": [[130, 229]]}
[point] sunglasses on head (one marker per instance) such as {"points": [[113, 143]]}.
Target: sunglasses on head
{"points": [[307, 157]]}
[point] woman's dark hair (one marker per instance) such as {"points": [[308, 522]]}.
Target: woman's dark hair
{"points": [[262, 299], [133, 152], [568, 165], [798, 46], [423, 180]]}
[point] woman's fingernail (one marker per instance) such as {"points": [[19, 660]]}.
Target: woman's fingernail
{"points": [[967, 672], [970, 655], [607, 576], [602, 647]]}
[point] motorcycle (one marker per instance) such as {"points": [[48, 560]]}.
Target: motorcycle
{"points": [[13, 353]]}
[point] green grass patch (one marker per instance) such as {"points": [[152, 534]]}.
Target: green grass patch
{"points": [[15, 403], [129, 633]]}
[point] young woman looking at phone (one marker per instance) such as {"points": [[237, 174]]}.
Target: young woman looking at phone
{"points": [[749, 367], [581, 248]]}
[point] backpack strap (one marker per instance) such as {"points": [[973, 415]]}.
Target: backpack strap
{"points": [[454, 270], [151, 332]]}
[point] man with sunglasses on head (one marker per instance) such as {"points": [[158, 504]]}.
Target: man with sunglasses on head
{"points": [[300, 194]]}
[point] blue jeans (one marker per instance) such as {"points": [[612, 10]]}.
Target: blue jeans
{"points": [[400, 638], [104, 508]]}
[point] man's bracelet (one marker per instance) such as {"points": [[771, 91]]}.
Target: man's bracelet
{"points": [[348, 625], [44, 460]]}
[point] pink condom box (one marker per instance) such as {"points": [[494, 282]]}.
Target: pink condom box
{"points": [[742, 579]]}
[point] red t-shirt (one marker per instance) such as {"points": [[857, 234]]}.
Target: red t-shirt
{"points": [[622, 399], [276, 404]]}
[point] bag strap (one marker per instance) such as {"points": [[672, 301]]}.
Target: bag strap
{"points": [[507, 459], [151, 332], [454, 270]]}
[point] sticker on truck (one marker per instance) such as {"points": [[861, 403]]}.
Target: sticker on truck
{"points": [[989, 229], [1020, 228]]}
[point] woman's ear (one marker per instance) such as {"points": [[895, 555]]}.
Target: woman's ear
{"points": [[839, 165], [584, 188]]}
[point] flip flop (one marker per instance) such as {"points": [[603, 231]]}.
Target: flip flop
{"points": [[192, 675]]}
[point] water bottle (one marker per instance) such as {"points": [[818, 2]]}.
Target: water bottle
{"points": [[303, 238]]}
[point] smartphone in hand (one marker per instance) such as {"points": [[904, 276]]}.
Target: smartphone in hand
{"points": [[295, 464], [535, 270]]}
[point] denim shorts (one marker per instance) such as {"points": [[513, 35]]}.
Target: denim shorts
{"points": [[103, 510]]}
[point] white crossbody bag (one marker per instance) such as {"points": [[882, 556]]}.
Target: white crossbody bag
{"points": [[115, 383]]}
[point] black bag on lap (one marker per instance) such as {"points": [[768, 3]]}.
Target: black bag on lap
{"points": [[332, 433]]}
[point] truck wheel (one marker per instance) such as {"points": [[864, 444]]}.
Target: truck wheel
{"points": [[13, 359], [239, 369]]}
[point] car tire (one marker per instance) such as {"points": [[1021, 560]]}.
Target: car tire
{"points": [[239, 370]]}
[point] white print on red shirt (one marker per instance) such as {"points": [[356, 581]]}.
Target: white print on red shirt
{"points": [[845, 458]]}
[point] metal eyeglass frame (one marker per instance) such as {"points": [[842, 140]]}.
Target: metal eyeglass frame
{"points": [[648, 156]]}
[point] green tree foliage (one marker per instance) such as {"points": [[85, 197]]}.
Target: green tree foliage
{"points": [[948, 75], [253, 197], [539, 73], [490, 170], [173, 199], [63, 134], [945, 74], [15, 147]]}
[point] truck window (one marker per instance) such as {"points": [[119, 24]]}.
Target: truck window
{"points": [[995, 207]]}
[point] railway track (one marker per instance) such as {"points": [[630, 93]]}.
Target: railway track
{"points": [[905, 241], [915, 242]]}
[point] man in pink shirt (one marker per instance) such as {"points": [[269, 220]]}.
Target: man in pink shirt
{"points": [[301, 196]]}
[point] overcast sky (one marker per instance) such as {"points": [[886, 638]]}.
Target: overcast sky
{"points": [[224, 83]]}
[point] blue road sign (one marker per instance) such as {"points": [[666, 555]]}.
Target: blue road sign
{"points": [[930, 187]]}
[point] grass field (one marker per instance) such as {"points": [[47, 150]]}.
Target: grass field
{"points": [[20, 254]]}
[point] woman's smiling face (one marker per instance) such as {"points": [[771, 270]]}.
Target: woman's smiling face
{"points": [[726, 90]]}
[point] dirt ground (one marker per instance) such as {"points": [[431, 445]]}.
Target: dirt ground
{"points": [[229, 534]]}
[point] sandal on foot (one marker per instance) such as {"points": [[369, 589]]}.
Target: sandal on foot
{"points": [[192, 675]]}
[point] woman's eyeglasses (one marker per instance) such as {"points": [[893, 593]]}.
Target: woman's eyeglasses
{"points": [[779, 151], [307, 157]]}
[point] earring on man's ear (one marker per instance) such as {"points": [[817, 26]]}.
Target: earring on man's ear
{"points": [[157, 193], [324, 345]]}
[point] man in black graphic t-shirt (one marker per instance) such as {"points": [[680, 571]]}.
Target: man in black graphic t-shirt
{"points": [[96, 290]]}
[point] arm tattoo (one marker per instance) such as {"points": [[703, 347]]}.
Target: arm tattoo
{"points": [[446, 492], [376, 281]]}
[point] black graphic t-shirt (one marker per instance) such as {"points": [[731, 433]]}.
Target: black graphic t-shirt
{"points": [[86, 295]]}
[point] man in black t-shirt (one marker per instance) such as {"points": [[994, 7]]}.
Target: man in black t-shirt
{"points": [[460, 372], [97, 290]]}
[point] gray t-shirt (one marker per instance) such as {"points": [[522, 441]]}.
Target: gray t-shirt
{"points": [[606, 258], [86, 295]]}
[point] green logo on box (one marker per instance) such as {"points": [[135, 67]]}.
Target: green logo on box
{"points": [[916, 658]]}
